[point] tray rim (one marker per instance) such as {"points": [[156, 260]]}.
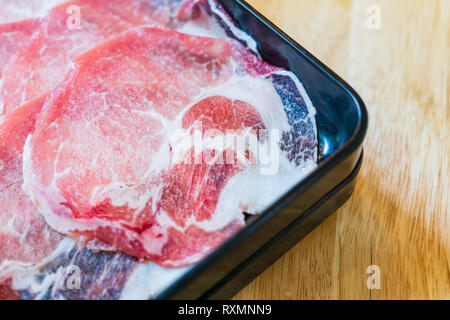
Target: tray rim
{"points": [[307, 214]]}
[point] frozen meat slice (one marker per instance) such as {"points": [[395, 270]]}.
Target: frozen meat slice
{"points": [[12, 37], [97, 162], [25, 237], [17, 10], [67, 31]]}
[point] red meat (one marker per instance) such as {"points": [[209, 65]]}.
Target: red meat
{"points": [[69, 30], [12, 37], [25, 237], [97, 163]]}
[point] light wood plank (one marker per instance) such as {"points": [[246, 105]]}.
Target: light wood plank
{"points": [[398, 217]]}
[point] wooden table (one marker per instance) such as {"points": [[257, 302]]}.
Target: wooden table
{"points": [[398, 218]]}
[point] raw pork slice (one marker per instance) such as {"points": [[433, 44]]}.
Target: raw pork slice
{"points": [[25, 237], [16, 10], [6, 291], [73, 272], [12, 37], [191, 191], [70, 272], [96, 164], [26, 240], [66, 32], [186, 9], [300, 143]]}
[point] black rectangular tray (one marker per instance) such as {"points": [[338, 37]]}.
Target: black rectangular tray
{"points": [[342, 124]]}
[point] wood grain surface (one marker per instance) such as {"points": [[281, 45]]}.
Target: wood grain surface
{"points": [[398, 218]]}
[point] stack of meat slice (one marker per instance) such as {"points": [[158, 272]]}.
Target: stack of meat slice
{"points": [[100, 165], [25, 237], [89, 109], [18, 10], [43, 61], [35, 54]]}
